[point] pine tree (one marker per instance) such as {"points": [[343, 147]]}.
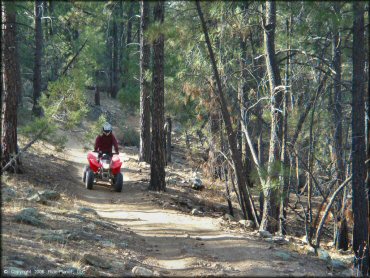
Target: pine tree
{"points": [[157, 173], [11, 85]]}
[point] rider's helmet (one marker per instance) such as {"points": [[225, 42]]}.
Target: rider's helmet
{"points": [[107, 129]]}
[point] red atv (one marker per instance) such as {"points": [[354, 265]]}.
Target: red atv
{"points": [[103, 167]]}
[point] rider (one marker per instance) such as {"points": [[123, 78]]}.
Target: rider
{"points": [[105, 141]]}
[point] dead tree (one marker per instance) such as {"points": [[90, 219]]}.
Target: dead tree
{"points": [[246, 199]]}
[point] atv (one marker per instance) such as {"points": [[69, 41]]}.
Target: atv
{"points": [[103, 167]]}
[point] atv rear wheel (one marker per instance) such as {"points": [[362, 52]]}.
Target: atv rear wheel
{"points": [[118, 182], [84, 173], [89, 179]]}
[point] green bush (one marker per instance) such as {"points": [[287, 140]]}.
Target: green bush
{"points": [[129, 136]]}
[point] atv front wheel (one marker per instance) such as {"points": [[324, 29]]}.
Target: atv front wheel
{"points": [[118, 182], [89, 179]]}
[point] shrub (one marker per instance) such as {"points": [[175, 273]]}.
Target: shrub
{"points": [[128, 136]]}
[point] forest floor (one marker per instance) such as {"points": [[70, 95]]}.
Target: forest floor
{"points": [[180, 232]]}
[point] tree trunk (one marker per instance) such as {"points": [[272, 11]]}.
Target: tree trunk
{"points": [[97, 89], [340, 239], [270, 218], [168, 138], [144, 86], [115, 54], [157, 173], [284, 182], [258, 71], [368, 150], [359, 201], [11, 86], [243, 103], [36, 109], [246, 199], [126, 63], [228, 196], [311, 152]]}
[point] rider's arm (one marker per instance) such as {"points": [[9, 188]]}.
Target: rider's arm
{"points": [[97, 144], [115, 144]]}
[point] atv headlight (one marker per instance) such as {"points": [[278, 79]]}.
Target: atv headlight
{"points": [[106, 166]]}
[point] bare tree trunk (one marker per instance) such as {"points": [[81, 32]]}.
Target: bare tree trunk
{"points": [[284, 182], [168, 138], [126, 63], [144, 86], [243, 103], [341, 237], [258, 71], [97, 89], [11, 85], [309, 177], [359, 201], [157, 173], [326, 212], [115, 53], [228, 196], [36, 109], [245, 196], [270, 217]]}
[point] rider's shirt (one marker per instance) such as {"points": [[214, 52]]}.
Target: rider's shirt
{"points": [[104, 143]]}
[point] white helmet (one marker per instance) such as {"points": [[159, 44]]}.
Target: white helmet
{"points": [[107, 128]]}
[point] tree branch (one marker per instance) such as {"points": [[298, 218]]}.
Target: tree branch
{"points": [[318, 232], [74, 58]]}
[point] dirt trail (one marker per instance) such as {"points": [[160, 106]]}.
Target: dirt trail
{"points": [[182, 244]]}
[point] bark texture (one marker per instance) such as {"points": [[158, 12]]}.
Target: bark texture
{"points": [[157, 173], [36, 109], [359, 201], [144, 86], [11, 84], [270, 217]]}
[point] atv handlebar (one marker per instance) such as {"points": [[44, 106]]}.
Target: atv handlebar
{"points": [[100, 152]]}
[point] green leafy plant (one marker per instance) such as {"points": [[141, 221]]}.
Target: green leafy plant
{"points": [[130, 136]]}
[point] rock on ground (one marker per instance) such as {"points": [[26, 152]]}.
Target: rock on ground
{"points": [[265, 234], [323, 255], [96, 261], [142, 271], [196, 212], [338, 264], [283, 255], [228, 217], [247, 223], [37, 198], [49, 194], [309, 250], [197, 184], [87, 210]]}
